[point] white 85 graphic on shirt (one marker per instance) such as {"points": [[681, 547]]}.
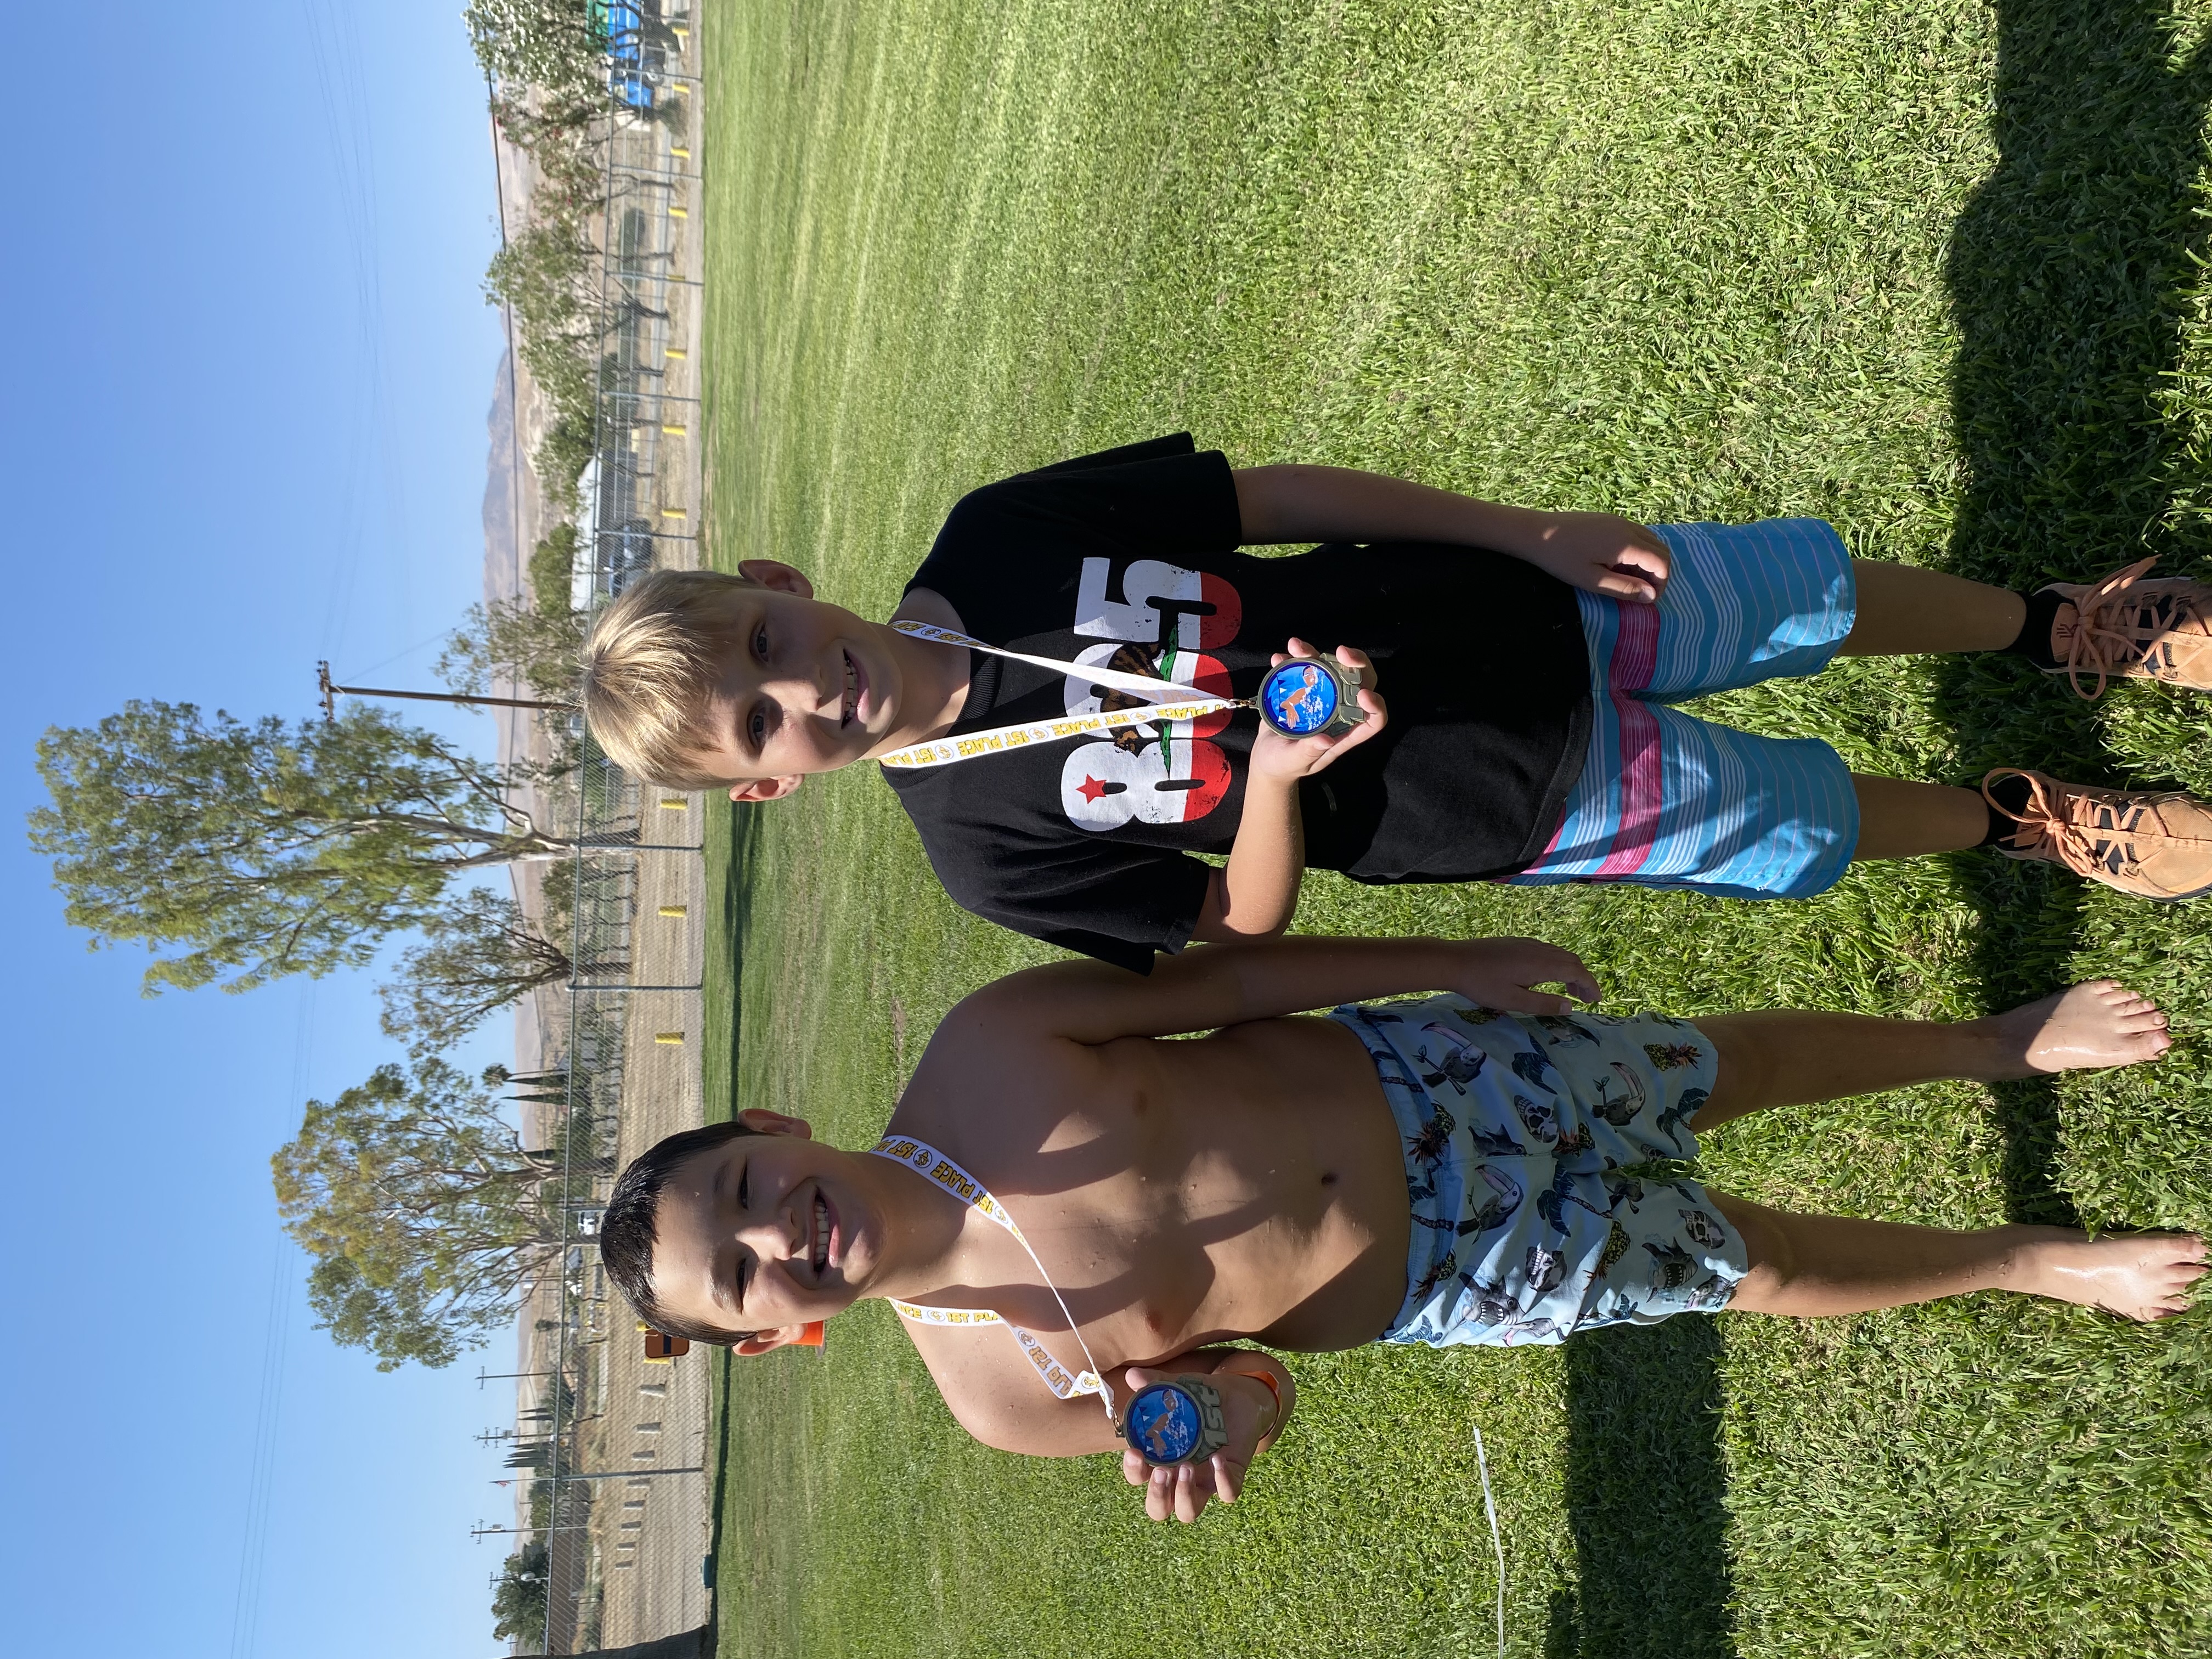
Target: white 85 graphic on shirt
{"points": [[1192, 668], [1181, 777], [1135, 618], [1176, 780]]}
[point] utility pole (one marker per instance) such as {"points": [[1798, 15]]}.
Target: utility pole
{"points": [[332, 691], [482, 1531], [501, 1437]]}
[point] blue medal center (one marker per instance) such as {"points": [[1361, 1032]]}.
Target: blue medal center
{"points": [[1163, 1424], [1299, 698]]}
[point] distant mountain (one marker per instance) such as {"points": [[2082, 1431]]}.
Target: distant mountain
{"points": [[506, 476]]}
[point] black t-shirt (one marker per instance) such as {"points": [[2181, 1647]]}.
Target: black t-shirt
{"points": [[1129, 557]]}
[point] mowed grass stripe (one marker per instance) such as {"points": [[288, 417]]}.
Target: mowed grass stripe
{"points": [[1930, 274]]}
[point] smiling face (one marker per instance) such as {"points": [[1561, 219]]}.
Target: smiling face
{"points": [[765, 1232], [804, 687]]}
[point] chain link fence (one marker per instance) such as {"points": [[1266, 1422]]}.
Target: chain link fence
{"points": [[610, 1444]]}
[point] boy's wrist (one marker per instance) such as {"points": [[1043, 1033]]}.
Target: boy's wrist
{"points": [[1260, 777], [1279, 1410], [1519, 530]]}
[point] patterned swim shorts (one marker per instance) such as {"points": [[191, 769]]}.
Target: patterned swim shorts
{"points": [[1522, 1132]]}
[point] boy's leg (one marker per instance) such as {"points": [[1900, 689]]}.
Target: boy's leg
{"points": [[1788, 1058], [1904, 610], [2130, 625], [1806, 1265], [1665, 800], [2155, 844], [1901, 819]]}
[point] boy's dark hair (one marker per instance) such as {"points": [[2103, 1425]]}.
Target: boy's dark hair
{"points": [[629, 1227]]}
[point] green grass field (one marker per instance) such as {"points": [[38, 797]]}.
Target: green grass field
{"points": [[1934, 272]]}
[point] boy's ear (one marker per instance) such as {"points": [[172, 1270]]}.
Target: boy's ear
{"points": [[774, 573], [766, 788], [761, 1121], [782, 1336]]}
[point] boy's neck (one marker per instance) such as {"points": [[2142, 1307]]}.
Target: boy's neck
{"points": [[934, 676], [932, 1238]]}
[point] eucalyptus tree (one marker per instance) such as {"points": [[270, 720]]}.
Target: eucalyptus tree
{"points": [[427, 1216], [480, 954], [249, 850]]}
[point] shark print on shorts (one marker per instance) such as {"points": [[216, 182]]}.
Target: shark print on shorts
{"points": [[1519, 1133]]}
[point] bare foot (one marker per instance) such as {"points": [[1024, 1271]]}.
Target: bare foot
{"points": [[2092, 1025], [2143, 1276]]}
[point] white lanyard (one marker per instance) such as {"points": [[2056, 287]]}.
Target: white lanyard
{"points": [[926, 1160], [1194, 703]]}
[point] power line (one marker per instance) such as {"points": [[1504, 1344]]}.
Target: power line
{"points": [[268, 1417]]}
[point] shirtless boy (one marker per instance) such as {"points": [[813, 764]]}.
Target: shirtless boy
{"points": [[1432, 1170]]}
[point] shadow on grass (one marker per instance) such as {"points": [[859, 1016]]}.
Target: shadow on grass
{"points": [[1645, 1491], [2068, 272], [733, 852]]}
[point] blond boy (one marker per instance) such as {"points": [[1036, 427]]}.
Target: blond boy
{"points": [[1523, 667]]}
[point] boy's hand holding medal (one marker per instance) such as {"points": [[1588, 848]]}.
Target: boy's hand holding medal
{"points": [[1302, 702], [1253, 1413]]}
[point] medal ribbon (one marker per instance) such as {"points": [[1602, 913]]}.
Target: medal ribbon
{"points": [[1193, 703], [926, 1161]]}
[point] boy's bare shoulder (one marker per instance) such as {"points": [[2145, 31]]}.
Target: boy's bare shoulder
{"points": [[981, 1373], [994, 1392], [995, 1076]]}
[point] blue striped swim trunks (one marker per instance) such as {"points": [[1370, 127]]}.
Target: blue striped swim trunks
{"points": [[1665, 800]]}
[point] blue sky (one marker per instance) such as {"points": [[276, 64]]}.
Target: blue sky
{"points": [[247, 431]]}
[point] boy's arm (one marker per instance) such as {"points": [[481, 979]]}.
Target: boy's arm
{"points": [[1208, 986], [1598, 551], [1256, 896], [996, 1396]]}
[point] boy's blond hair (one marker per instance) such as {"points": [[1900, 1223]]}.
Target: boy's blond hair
{"points": [[649, 668]]}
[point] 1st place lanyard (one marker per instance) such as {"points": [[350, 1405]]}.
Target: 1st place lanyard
{"points": [[1192, 705], [934, 1166]]}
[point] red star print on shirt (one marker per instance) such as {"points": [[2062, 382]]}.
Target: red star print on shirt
{"points": [[1161, 625]]}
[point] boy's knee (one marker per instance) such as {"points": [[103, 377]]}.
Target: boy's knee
{"points": [[1770, 1254], [1744, 1069]]}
